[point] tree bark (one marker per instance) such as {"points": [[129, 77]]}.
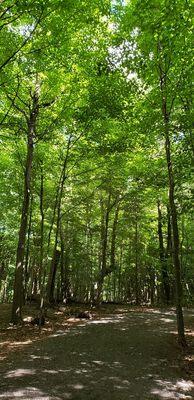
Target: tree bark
{"points": [[65, 282], [173, 212], [113, 238], [176, 256], [137, 288], [26, 268], [18, 282], [52, 273], [104, 242], [41, 229], [163, 260]]}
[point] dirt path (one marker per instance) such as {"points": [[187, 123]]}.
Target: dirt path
{"points": [[118, 357]]}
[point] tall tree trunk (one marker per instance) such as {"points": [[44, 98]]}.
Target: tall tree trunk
{"points": [[113, 238], [54, 213], [88, 246], [26, 271], [168, 252], [176, 256], [173, 212], [137, 288], [119, 272], [112, 250], [65, 282], [41, 229], [188, 107], [104, 242], [18, 282], [163, 260], [52, 273]]}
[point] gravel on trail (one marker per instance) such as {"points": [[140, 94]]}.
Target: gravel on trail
{"points": [[122, 356]]}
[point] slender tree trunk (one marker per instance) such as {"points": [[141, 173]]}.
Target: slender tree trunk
{"points": [[179, 294], [163, 260], [104, 242], [152, 285], [3, 272], [188, 107], [41, 229], [113, 238], [18, 282], [119, 272], [173, 212], [168, 252], [88, 246], [54, 212], [65, 282], [52, 273], [26, 272], [18, 294], [104, 270], [112, 250], [137, 291]]}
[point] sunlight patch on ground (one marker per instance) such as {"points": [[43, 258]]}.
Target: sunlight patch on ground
{"points": [[98, 362], [20, 372], [171, 391], [102, 321], [107, 320], [50, 371], [167, 320], [77, 386], [169, 312], [81, 371], [152, 311], [33, 357], [118, 383], [14, 344], [123, 310], [189, 332], [29, 393], [58, 333]]}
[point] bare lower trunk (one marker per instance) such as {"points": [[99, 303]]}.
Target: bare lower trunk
{"points": [[52, 275], [18, 282], [173, 213], [167, 106], [41, 230], [104, 242], [176, 259], [163, 260], [18, 294], [137, 289], [113, 239], [54, 263], [65, 282], [26, 272]]}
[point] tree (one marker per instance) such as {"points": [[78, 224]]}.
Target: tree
{"points": [[160, 58]]}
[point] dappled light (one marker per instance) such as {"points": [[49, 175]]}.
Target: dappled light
{"points": [[19, 373], [124, 355], [166, 320], [36, 357], [107, 320], [178, 390], [30, 393]]}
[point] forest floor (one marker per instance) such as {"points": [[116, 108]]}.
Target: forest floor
{"points": [[122, 353]]}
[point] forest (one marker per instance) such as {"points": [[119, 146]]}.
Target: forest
{"points": [[97, 154]]}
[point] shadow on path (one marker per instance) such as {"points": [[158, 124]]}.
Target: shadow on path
{"points": [[120, 357]]}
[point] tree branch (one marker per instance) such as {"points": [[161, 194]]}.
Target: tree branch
{"points": [[10, 58]]}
